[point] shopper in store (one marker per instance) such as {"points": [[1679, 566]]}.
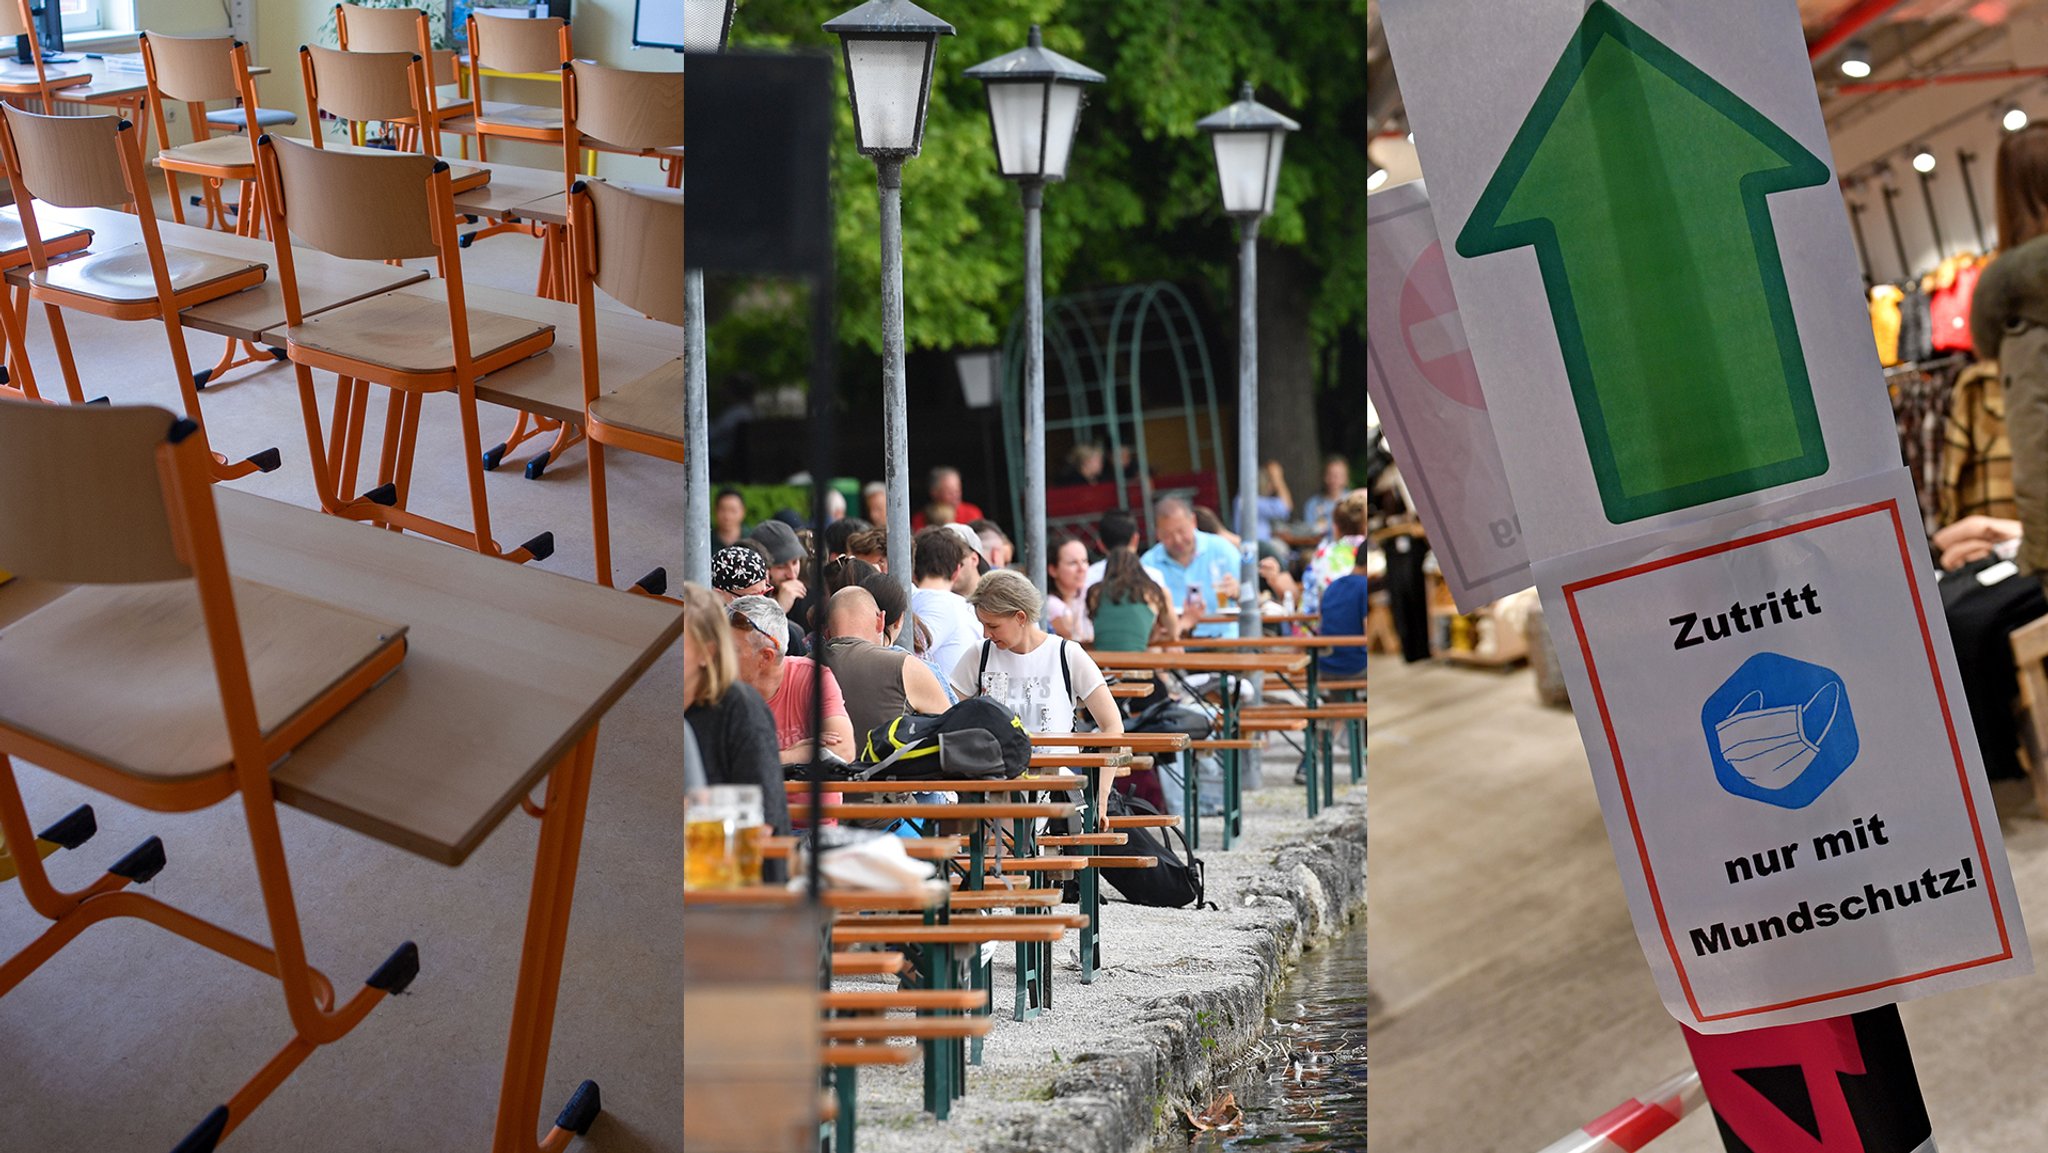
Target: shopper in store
{"points": [[1042, 678], [734, 729], [2009, 322]]}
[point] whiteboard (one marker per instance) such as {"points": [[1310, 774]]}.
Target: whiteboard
{"points": [[658, 24]]}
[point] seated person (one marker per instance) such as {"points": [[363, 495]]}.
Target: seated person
{"points": [[870, 545], [1042, 678], [879, 683], [759, 635], [735, 732], [1129, 611], [944, 570], [1344, 609], [1985, 598], [742, 571]]}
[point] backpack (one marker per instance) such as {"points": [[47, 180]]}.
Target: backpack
{"points": [[1172, 884], [976, 739]]}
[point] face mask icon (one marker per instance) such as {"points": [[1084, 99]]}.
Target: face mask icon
{"points": [[1780, 730], [1769, 746]]}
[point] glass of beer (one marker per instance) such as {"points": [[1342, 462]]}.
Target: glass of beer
{"points": [[749, 829], [707, 846]]}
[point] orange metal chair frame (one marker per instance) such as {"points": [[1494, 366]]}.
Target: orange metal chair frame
{"points": [[165, 306], [583, 245], [437, 114], [212, 176], [310, 1002], [336, 461]]}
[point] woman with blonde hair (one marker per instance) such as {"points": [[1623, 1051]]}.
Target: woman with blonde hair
{"points": [[735, 731], [1041, 678]]}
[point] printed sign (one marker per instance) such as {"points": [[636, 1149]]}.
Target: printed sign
{"points": [[1651, 259], [1422, 379], [1770, 704]]}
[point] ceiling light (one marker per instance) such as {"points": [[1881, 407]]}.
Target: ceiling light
{"points": [[2015, 118], [1923, 159], [1855, 62]]}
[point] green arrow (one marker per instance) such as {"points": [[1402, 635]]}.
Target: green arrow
{"points": [[1642, 184]]}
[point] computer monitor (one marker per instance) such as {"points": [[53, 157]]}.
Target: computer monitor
{"points": [[459, 11], [658, 24], [49, 29]]}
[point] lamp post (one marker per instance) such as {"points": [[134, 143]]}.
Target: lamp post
{"points": [[706, 24], [1034, 104], [889, 47], [1248, 137]]}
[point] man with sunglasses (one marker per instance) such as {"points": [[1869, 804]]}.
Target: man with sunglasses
{"points": [[759, 632]]}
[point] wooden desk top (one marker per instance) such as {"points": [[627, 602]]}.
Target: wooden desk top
{"points": [[1310, 643], [432, 759], [324, 281], [1210, 662], [511, 189], [107, 85], [555, 209], [630, 347]]}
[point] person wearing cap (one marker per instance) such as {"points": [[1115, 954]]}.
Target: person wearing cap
{"points": [[759, 633], [785, 561], [944, 569], [742, 571]]}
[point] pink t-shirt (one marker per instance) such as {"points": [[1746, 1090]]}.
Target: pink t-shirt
{"points": [[791, 703]]}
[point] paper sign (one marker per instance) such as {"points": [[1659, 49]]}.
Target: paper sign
{"points": [[1770, 704], [1422, 379], [1650, 256]]}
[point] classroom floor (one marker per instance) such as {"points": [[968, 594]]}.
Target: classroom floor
{"points": [[130, 1036], [1511, 1003]]}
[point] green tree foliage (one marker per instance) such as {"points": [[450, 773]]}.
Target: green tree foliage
{"points": [[1140, 201]]}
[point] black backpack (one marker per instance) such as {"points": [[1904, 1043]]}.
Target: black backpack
{"points": [[976, 739], [1173, 883]]}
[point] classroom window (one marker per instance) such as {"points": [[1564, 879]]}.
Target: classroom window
{"points": [[82, 15]]}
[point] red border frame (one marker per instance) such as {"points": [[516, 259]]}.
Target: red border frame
{"points": [[1889, 508]]}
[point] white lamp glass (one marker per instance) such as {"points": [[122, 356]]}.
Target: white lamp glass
{"points": [[888, 85], [1061, 120], [1279, 142], [1242, 165], [1018, 111]]}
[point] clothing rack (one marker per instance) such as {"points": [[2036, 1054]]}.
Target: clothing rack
{"points": [[1920, 392]]}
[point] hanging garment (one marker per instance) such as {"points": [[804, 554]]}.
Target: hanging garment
{"points": [[1949, 309], [1884, 321], [1915, 325], [1977, 466]]}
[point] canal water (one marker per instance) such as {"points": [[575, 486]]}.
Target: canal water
{"points": [[1302, 1088]]}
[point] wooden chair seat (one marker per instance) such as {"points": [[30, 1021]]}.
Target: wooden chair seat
{"points": [[145, 645], [847, 1054], [406, 334], [212, 155], [520, 117], [123, 276], [648, 411], [234, 120]]}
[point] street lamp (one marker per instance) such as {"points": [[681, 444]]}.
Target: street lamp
{"points": [[889, 48], [706, 25], [1248, 137], [1034, 103]]}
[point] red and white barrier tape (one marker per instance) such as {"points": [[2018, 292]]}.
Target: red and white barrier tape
{"points": [[1633, 1124]]}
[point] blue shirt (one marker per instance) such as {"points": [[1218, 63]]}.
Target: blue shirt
{"points": [[1344, 616], [1271, 509], [1213, 554]]}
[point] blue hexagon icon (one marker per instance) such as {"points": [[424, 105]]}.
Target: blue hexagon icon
{"points": [[1780, 730]]}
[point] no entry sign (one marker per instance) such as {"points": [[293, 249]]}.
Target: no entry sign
{"points": [[1786, 769]]}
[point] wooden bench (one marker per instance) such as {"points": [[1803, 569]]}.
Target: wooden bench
{"points": [[1069, 840], [915, 1000], [1338, 712], [1141, 821], [1272, 724], [868, 964]]}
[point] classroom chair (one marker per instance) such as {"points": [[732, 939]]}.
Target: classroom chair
{"points": [[193, 70], [17, 20], [163, 681], [96, 161], [361, 28], [359, 87], [377, 205], [620, 111], [625, 243], [502, 44]]}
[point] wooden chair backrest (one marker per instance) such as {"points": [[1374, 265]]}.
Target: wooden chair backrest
{"points": [[194, 69], [359, 205], [623, 108], [358, 85], [100, 513], [72, 161], [631, 247], [362, 28], [509, 44], [15, 19]]}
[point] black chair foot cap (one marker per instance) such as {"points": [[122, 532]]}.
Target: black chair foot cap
{"points": [[195, 201], [653, 584], [266, 461], [542, 547], [397, 971], [207, 1135], [200, 378], [583, 1107], [277, 354], [100, 400], [72, 829], [384, 494], [536, 466], [142, 863], [463, 240], [493, 458]]}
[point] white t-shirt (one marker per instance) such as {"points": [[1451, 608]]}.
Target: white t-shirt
{"points": [[953, 626], [1095, 578], [1031, 684]]}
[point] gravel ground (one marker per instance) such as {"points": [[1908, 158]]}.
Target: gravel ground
{"points": [[1184, 993]]}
